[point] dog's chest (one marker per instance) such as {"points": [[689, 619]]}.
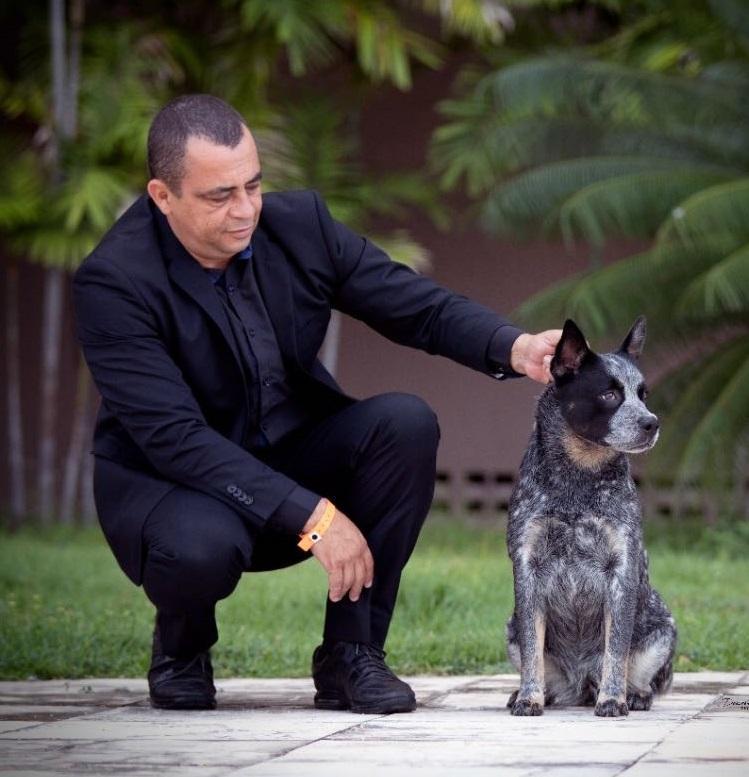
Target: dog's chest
{"points": [[574, 564], [572, 546]]}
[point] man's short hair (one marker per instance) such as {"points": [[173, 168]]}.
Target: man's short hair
{"points": [[189, 116]]}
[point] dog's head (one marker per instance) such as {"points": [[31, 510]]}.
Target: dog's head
{"points": [[602, 396]]}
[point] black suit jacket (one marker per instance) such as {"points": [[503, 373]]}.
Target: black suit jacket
{"points": [[175, 405]]}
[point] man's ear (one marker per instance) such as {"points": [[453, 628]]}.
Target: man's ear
{"points": [[635, 340], [159, 192], [571, 351]]}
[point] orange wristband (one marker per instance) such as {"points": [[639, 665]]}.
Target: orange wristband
{"points": [[315, 535]]}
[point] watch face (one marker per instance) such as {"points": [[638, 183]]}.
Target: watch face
{"points": [[314, 536]]}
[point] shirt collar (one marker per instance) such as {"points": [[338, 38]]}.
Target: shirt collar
{"points": [[243, 256]]}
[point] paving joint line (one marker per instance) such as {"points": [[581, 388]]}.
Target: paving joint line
{"points": [[269, 759], [668, 733]]}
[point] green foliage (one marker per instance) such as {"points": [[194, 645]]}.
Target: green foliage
{"points": [[61, 196], [311, 144], [643, 135], [66, 610]]}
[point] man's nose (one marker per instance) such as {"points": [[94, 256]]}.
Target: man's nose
{"points": [[242, 206]]}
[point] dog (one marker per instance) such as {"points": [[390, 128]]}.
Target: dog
{"points": [[587, 628]]}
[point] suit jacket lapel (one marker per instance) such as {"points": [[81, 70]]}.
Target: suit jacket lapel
{"points": [[274, 284], [187, 273]]}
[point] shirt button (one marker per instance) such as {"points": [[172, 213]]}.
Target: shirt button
{"points": [[267, 381], [231, 289], [252, 332]]}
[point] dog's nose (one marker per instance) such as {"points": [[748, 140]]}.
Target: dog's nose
{"points": [[649, 423]]}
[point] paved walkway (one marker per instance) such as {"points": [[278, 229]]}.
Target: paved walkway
{"points": [[269, 727]]}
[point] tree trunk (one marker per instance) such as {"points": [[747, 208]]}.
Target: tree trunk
{"points": [[65, 79], [88, 506], [77, 445], [15, 424], [51, 340]]}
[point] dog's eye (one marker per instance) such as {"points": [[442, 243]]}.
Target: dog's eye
{"points": [[610, 396], [643, 393]]}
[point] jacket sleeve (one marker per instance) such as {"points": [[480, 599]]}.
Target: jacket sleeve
{"points": [[144, 388], [412, 309]]}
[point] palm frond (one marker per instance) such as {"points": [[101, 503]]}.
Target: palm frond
{"points": [[609, 92], [723, 289], [401, 247], [608, 299], [689, 395], [478, 20], [306, 30], [518, 203], [482, 148], [91, 196], [22, 196], [719, 209], [55, 247], [385, 47], [631, 205], [713, 438]]}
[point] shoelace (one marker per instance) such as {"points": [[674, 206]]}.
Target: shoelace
{"points": [[369, 662], [185, 669]]}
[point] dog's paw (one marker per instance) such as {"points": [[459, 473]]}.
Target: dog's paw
{"points": [[526, 707], [611, 708], [640, 701], [512, 698]]}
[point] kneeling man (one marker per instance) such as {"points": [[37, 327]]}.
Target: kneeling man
{"points": [[222, 445]]}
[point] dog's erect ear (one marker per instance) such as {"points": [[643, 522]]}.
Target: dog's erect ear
{"points": [[570, 352], [635, 340]]}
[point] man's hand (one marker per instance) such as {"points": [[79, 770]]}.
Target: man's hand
{"points": [[344, 554], [531, 354]]}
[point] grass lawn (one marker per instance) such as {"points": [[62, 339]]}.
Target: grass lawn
{"points": [[66, 610]]}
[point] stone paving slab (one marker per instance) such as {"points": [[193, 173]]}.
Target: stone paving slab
{"points": [[269, 727]]}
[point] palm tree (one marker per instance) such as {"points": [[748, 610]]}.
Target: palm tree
{"points": [[645, 135]]}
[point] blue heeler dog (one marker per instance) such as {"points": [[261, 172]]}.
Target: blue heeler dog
{"points": [[587, 627]]}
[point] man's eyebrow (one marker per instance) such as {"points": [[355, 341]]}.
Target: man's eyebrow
{"points": [[219, 190]]}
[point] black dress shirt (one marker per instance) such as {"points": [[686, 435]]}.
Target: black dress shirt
{"points": [[277, 410]]}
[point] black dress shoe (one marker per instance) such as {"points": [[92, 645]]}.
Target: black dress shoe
{"points": [[180, 683], [354, 676]]}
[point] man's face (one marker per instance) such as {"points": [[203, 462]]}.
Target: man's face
{"points": [[219, 205]]}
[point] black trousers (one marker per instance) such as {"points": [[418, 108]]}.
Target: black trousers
{"points": [[375, 460]]}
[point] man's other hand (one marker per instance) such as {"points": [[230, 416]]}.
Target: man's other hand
{"points": [[344, 554], [531, 354]]}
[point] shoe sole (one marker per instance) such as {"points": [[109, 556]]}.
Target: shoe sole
{"points": [[183, 703], [382, 707]]}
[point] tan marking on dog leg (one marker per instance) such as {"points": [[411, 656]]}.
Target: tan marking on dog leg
{"points": [[531, 533], [608, 671], [539, 627]]}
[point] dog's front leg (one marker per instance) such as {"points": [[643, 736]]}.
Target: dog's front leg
{"points": [[531, 631], [619, 609]]}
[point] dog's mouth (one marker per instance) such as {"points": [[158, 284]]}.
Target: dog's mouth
{"points": [[640, 446]]}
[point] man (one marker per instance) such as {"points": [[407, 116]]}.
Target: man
{"points": [[222, 445]]}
